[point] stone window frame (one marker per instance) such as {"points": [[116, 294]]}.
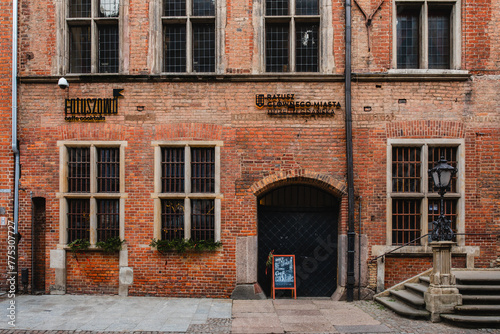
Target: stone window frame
{"points": [[187, 195], [424, 194], [63, 39], [326, 52], [155, 52], [455, 32], [93, 195]]}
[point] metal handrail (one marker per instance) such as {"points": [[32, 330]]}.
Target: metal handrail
{"points": [[425, 235], [395, 249]]}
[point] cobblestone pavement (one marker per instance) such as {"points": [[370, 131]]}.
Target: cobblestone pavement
{"points": [[403, 325], [392, 323]]}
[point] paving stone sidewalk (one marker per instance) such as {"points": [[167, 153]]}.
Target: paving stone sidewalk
{"points": [[70, 314], [99, 314]]}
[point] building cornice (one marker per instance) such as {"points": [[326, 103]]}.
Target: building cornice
{"points": [[391, 76]]}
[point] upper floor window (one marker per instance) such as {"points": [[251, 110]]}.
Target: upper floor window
{"points": [[414, 203], [93, 36], [188, 36], [292, 36], [427, 35]]}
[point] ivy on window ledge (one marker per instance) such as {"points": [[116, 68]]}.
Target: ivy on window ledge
{"points": [[111, 245], [183, 245], [79, 245]]}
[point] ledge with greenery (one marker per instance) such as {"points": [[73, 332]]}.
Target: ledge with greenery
{"points": [[183, 245], [111, 245]]}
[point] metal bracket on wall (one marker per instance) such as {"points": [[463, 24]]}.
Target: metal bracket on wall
{"points": [[368, 18]]}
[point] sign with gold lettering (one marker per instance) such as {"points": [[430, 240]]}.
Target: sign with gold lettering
{"points": [[91, 109], [285, 104]]}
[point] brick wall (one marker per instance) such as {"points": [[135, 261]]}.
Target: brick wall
{"points": [[6, 154], [256, 146], [92, 273], [412, 267]]}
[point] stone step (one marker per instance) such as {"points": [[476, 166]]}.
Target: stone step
{"points": [[478, 308], [464, 288], [417, 287], [411, 298], [489, 277], [402, 308], [472, 320], [425, 279], [481, 299]]}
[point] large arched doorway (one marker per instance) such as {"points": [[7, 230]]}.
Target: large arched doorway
{"points": [[302, 220]]}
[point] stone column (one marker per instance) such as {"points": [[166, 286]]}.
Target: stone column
{"points": [[442, 295], [246, 270], [58, 263]]}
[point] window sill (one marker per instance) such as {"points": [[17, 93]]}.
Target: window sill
{"points": [[414, 75], [424, 250], [427, 72], [90, 249]]}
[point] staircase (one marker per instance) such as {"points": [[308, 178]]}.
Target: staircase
{"points": [[407, 298], [480, 292]]}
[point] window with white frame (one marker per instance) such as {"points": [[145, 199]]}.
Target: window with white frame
{"points": [[427, 34], [413, 203], [187, 191], [93, 36], [187, 39], [92, 191]]}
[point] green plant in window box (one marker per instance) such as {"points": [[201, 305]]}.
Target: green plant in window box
{"points": [[183, 245], [111, 245], [78, 245]]}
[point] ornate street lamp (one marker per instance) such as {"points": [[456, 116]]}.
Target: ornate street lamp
{"points": [[441, 175]]}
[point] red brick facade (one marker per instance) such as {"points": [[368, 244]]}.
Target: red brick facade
{"points": [[259, 153]]}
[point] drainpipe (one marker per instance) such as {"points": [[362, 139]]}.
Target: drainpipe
{"points": [[351, 233], [15, 147]]}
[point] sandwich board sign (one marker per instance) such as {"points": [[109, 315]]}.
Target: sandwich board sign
{"points": [[284, 274]]}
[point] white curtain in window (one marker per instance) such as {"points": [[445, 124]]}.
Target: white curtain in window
{"points": [[110, 8]]}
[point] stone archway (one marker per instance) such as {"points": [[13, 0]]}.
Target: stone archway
{"points": [[247, 246], [301, 220]]}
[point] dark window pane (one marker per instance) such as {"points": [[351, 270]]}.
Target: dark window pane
{"points": [[79, 49], [172, 169], [202, 170], [276, 7], [203, 7], [172, 219], [450, 154], [204, 48], [406, 173], [108, 49], [109, 8], [108, 170], [307, 47], [174, 48], [450, 211], [78, 219], [306, 7], [79, 8], [405, 221], [174, 8], [408, 36], [277, 48], [78, 169], [108, 219], [202, 219], [439, 38]]}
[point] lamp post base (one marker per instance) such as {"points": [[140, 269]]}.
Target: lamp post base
{"points": [[442, 295]]}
